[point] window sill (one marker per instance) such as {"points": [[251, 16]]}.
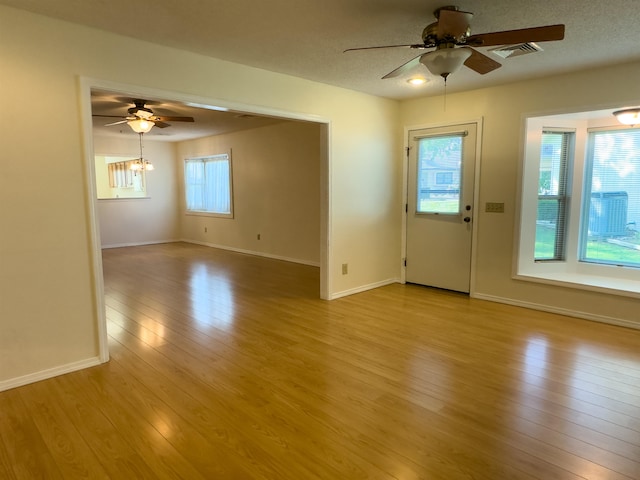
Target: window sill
{"points": [[117, 199], [626, 287], [209, 214]]}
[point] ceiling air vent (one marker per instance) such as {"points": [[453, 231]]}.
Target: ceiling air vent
{"points": [[507, 51]]}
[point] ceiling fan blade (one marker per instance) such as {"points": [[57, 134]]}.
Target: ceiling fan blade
{"points": [[453, 23], [116, 123], [414, 62], [160, 124], [511, 37], [166, 118], [418, 45], [480, 63]]}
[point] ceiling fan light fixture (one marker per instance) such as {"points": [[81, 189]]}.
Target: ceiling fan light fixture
{"points": [[445, 61], [628, 116], [140, 125], [417, 81]]}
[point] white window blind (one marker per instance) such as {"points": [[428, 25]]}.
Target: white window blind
{"points": [[120, 174], [551, 220], [611, 205], [208, 184]]}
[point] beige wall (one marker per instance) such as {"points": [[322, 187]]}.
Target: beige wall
{"points": [[136, 221], [276, 190], [503, 109], [49, 320], [48, 311]]}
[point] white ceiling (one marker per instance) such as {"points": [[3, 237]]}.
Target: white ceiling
{"points": [[306, 38]]}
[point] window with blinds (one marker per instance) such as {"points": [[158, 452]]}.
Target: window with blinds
{"points": [[120, 174], [556, 153], [208, 185], [611, 201]]}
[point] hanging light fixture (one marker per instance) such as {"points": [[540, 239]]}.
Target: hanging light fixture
{"points": [[141, 164], [140, 125], [628, 116], [445, 60]]}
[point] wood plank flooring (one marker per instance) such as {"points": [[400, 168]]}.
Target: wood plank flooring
{"points": [[228, 366]]}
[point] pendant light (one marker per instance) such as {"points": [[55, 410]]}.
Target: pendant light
{"points": [[141, 164]]}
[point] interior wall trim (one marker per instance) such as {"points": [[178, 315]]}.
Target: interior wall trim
{"points": [[140, 244], [49, 373], [253, 252], [620, 322], [364, 288]]}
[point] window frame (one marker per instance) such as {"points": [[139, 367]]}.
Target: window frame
{"points": [[563, 197], [419, 177], [571, 272], [204, 159], [134, 187], [588, 197]]}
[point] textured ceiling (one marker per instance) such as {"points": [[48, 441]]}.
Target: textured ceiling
{"points": [[306, 38]]}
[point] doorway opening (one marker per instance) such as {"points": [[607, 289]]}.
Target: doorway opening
{"points": [[222, 118]]}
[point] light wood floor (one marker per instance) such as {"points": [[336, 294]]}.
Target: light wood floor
{"points": [[227, 366]]}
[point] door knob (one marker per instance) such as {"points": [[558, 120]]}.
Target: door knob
{"points": [[467, 219]]}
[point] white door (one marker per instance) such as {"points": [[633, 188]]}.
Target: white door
{"points": [[440, 206]]}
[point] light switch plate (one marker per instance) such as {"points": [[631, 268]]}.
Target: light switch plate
{"points": [[494, 207]]}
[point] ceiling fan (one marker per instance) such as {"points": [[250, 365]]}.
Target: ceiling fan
{"points": [[450, 37], [141, 118]]}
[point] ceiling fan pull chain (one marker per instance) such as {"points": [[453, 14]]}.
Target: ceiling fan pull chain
{"points": [[445, 94]]}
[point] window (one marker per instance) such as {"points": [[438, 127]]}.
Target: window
{"points": [[116, 180], [551, 220], [444, 178], [439, 165], [580, 203], [208, 185], [611, 205]]}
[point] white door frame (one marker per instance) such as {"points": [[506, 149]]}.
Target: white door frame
{"points": [[476, 195]]}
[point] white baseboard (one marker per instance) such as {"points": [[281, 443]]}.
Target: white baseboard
{"points": [[253, 252], [364, 288], [561, 311], [138, 244], [49, 373]]}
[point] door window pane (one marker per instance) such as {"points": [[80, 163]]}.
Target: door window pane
{"points": [[439, 167]]}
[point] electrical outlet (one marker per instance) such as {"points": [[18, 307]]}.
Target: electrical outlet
{"points": [[494, 207], [345, 268]]}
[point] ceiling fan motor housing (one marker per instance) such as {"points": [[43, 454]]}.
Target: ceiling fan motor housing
{"points": [[140, 110], [454, 27], [429, 35]]}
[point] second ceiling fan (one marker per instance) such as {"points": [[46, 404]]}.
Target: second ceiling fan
{"points": [[452, 43], [141, 118]]}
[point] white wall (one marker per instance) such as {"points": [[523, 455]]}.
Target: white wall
{"points": [[503, 109], [135, 221], [276, 190], [48, 310]]}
